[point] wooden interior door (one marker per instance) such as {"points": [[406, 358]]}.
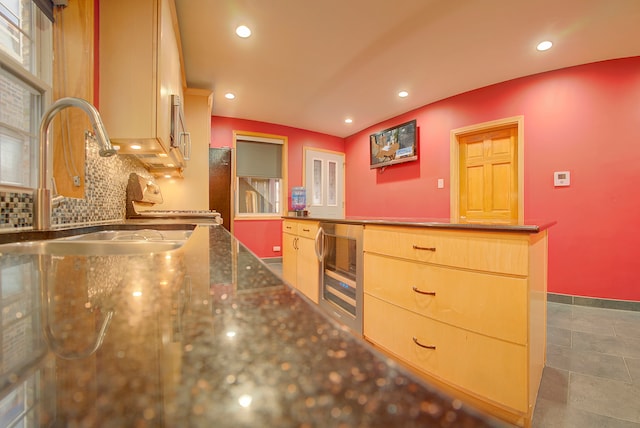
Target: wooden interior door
{"points": [[489, 175], [220, 184]]}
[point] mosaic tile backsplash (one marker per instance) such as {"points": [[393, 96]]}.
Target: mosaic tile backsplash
{"points": [[105, 195]]}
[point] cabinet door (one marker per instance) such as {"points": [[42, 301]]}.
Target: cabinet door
{"points": [[289, 258], [169, 72], [308, 269], [128, 68], [484, 366]]}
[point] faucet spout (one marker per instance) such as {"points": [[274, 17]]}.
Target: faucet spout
{"points": [[43, 203]]}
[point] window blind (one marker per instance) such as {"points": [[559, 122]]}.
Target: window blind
{"points": [[262, 160], [46, 6]]}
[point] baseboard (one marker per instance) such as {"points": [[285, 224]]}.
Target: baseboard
{"points": [[626, 305]]}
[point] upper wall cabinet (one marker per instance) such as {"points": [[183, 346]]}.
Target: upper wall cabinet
{"points": [[140, 79]]}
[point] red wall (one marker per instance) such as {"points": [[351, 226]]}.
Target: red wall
{"points": [[583, 119], [261, 235]]}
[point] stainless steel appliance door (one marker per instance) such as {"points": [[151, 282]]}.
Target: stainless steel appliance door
{"points": [[341, 273]]}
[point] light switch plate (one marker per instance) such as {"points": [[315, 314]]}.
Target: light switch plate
{"points": [[440, 183], [561, 178]]}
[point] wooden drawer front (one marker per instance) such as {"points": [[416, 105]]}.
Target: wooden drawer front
{"points": [[290, 226], [490, 304], [308, 229], [491, 252], [490, 368]]}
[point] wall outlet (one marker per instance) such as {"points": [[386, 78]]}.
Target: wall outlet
{"points": [[76, 181], [276, 248]]}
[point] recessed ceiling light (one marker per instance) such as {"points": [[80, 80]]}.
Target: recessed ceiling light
{"points": [[543, 46], [348, 120], [167, 176], [163, 155], [403, 94], [229, 96], [243, 31], [135, 147]]}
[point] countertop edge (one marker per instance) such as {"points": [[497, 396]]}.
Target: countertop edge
{"points": [[533, 227]]}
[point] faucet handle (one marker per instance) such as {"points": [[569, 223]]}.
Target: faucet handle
{"points": [[54, 187], [56, 199]]}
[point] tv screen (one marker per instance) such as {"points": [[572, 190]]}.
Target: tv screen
{"points": [[394, 145]]}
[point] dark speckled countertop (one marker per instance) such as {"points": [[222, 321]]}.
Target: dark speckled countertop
{"points": [[529, 226], [202, 336]]}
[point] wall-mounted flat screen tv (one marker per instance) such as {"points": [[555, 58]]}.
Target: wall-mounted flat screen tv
{"points": [[394, 145]]}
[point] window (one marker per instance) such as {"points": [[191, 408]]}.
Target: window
{"points": [[25, 76], [259, 176]]}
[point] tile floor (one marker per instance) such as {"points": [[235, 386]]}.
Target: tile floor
{"points": [[592, 375]]}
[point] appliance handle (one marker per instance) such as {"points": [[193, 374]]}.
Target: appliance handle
{"points": [[319, 244], [186, 150]]}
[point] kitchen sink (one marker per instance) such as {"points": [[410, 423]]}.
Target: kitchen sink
{"points": [[104, 243], [132, 235], [63, 247]]}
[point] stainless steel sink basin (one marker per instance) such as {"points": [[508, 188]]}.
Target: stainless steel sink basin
{"points": [[133, 235], [104, 243], [64, 247]]}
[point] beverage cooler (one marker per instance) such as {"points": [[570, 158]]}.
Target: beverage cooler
{"points": [[339, 249]]}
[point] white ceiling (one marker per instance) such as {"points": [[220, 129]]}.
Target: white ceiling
{"points": [[311, 63]]}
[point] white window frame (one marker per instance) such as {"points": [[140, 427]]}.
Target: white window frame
{"points": [[39, 80]]}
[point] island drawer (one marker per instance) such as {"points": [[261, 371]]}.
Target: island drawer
{"points": [[305, 229], [290, 226], [486, 367], [491, 304], [483, 251], [308, 229]]}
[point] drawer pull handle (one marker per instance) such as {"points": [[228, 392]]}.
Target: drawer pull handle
{"points": [[287, 227], [306, 230], [428, 293], [423, 346], [417, 247]]}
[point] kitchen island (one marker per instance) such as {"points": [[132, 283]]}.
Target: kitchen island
{"points": [[205, 335], [461, 304]]}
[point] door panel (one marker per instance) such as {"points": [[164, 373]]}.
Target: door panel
{"points": [[220, 184], [324, 182], [489, 176]]}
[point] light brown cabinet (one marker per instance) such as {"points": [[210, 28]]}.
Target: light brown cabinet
{"points": [[300, 265], [465, 309], [140, 71]]}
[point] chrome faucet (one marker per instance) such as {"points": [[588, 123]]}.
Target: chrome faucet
{"points": [[43, 202]]}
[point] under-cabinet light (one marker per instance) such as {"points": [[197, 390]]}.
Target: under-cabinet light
{"points": [[245, 400]]}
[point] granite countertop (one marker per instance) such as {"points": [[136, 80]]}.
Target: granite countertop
{"points": [[202, 336], [529, 226]]}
